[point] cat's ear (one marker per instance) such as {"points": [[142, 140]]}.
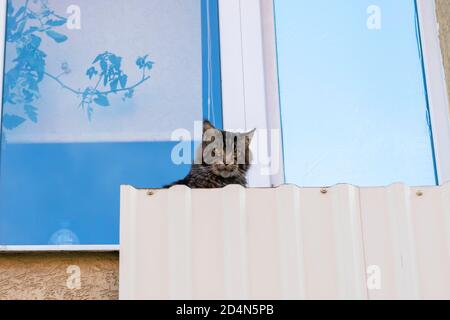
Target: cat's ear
{"points": [[249, 135], [207, 126]]}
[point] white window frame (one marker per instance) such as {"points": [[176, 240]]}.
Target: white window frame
{"points": [[436, 85], [250, 77], [250, 86]]}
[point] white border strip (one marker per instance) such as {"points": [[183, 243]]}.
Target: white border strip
{"points": [[437, 89]]}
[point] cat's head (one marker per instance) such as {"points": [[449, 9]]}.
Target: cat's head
{"points": [[226, 153]]}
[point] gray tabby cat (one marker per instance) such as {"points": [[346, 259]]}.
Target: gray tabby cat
{"points": [[225, 159]]}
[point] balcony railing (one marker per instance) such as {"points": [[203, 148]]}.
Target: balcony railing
{"points": [[285, 243]]}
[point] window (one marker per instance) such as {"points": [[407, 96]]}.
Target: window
{"points": [[356, 89], [353, 102], [92, 93]]}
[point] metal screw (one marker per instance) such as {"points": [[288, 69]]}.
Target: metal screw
{"points": [[419, 193], [150, 193], [323, 191]]}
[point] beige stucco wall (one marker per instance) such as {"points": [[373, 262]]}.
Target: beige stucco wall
{"points": [[443, 13], [44, 275]]}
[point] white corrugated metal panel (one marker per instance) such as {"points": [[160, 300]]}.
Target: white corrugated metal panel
{"points": [[285, 243]]}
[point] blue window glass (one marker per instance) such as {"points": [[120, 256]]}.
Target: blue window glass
{"points": [[92, 92], [353, 101]]}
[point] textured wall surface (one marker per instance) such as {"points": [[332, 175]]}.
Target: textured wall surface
{"points": [[443, 13], [44, 275]]}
